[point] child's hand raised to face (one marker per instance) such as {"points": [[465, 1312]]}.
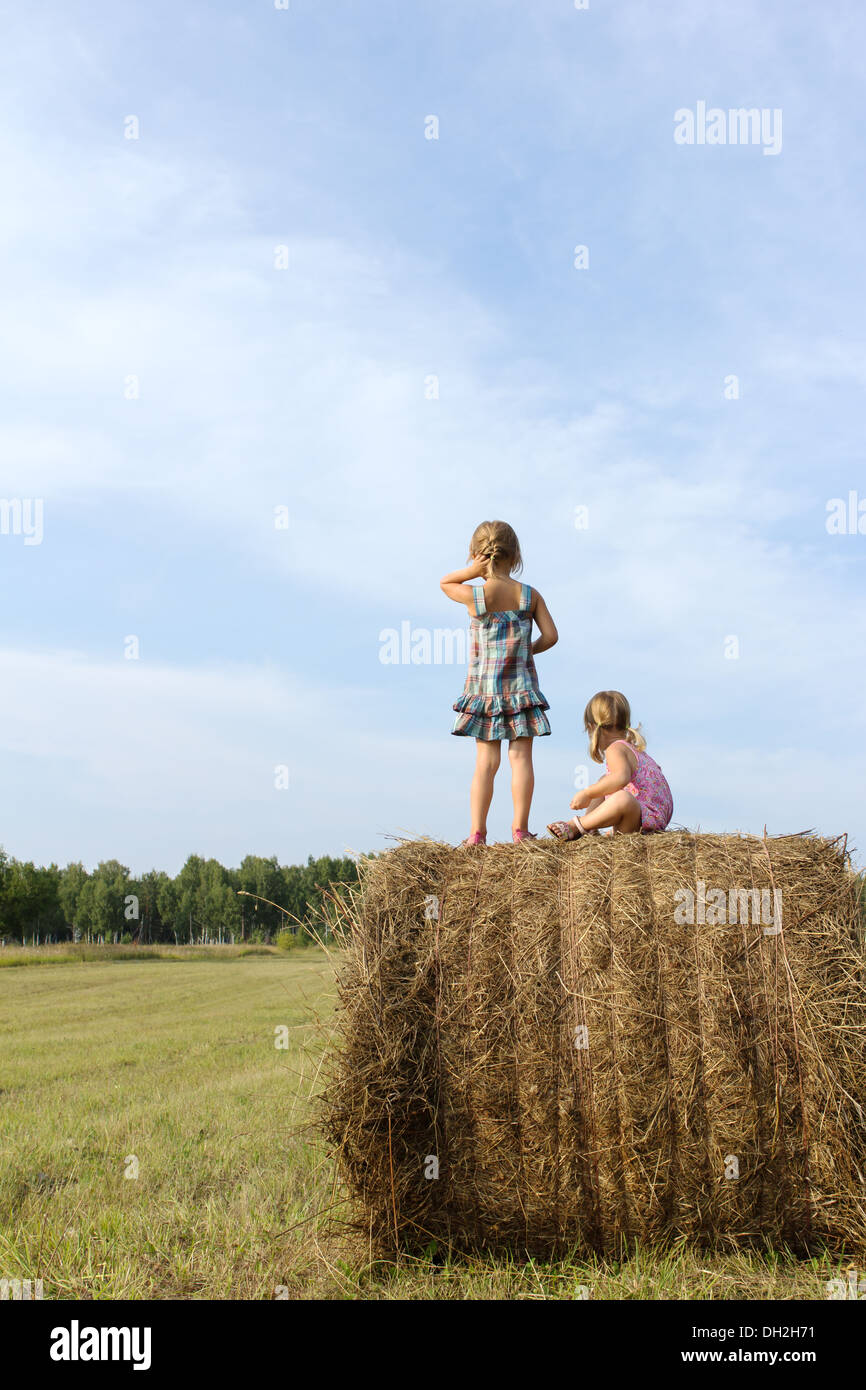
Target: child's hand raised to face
{"points": [[477, 567]]}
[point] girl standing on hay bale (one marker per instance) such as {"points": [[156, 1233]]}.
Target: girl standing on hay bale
{"points": [[501, 698], [633, 796]]}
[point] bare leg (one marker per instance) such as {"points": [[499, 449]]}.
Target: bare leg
{"points": [[622, 811], [522, 780], [596, 801], [481, 793]]}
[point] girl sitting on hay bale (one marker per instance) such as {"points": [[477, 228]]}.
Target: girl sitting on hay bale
{"points": [[501, 698], [633, 796]]}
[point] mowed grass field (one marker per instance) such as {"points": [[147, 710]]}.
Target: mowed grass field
{"points": [[167, 1070]]}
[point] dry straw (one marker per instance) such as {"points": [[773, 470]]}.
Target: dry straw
{"points": [[582, 1069]]}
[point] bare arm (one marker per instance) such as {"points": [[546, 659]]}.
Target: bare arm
{"points": [[546, 626], [619, 775], [456, 584]]}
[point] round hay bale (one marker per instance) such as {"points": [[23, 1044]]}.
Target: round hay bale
{"points": [[540, 1052]]}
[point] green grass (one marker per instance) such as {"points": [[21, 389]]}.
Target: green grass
{"points": [[174, 1062]]}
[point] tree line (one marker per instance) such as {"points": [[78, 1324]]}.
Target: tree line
{"points": [[205, 902]]}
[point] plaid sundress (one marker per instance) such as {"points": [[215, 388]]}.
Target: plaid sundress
{"points": [[501, 698]]}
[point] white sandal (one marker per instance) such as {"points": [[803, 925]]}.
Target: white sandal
{"points": [[568, 829]]}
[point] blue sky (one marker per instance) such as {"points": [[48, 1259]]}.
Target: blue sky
{"points": [[306, 388]]}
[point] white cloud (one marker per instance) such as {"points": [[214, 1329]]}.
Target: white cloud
{"points": [[110, 758]]}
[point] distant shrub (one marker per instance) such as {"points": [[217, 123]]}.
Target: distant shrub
{"points": [[288, 940]]}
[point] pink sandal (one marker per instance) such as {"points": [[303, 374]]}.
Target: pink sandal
{"points": [[567, 829], [477, 837], [519, 835]]}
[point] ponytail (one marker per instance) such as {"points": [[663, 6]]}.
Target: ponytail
{"points": [[635, 737], [493, 541]]}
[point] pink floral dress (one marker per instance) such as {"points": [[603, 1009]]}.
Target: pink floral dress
{"points": [[650, 787]]}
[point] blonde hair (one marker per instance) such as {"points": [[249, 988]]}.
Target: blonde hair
{"points": [[495, 540], [609, 709]]}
